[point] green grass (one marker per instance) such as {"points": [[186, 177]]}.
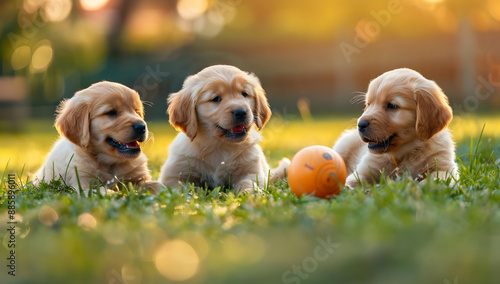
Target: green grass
{"points": [[395, 232]]}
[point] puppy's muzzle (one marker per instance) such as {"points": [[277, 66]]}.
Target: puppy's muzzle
{"points": [[374, 144]]}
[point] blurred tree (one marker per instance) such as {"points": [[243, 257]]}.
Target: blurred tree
{"points": [[73, 45], [467, 12]]}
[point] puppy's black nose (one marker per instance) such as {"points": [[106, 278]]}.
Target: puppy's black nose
{"points": [[363, 125], [240, 114], [139, 128]]}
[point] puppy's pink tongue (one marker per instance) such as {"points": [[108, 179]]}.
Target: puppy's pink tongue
{"points": [[134, 144], [238, 129]]}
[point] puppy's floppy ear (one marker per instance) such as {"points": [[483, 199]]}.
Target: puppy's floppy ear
{"points": [[262, 109], [182, 112], [73, 121], [433, 110]]}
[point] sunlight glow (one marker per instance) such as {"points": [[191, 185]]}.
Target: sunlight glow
{"points": [[192, 9], [176, 260], [446, 20], [494, 9], [367, 31], [93, 5]]}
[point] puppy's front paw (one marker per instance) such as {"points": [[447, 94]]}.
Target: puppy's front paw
{"points": [[284, 163], [153, 186], [351, 182], [281, 171], [246, 186]]}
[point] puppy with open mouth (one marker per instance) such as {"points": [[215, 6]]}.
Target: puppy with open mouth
{"points": [[101, 129], [403, 128], [217, 111]]}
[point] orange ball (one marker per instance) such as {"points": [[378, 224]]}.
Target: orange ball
{"points": [[317, 170]]}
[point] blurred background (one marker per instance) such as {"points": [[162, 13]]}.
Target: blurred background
{"points": [[312, 58], [313, 54]]}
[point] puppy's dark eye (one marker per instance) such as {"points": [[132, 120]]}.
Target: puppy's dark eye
{"points": [[391, 106], [112, 113], [216, 99], [244, 94]]}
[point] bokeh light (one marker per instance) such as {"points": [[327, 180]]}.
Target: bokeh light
{"points": [[245, 248], [146, 22], [210, 25], [21, 57], [191, 9], [131, 274], [42, 57], [56, 10], [86, 221], [92, 5], [31, 6], [115, 233], [47, 215], [198, 242], [176, 260]]}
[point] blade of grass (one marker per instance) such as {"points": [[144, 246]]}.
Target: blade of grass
{"points": [[19, 177], [2, 181], [473, 158], [67, 166], [80, 190]]}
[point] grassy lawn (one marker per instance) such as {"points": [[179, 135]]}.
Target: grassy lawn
{"points": [[396, 232]]}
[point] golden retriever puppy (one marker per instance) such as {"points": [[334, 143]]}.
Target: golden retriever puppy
{"points": [[403, 127], [101, 128], [215, 111]]}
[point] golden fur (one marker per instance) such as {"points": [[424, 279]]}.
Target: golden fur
{"points": [[215, 111], [403, 127], [86, 123]]}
